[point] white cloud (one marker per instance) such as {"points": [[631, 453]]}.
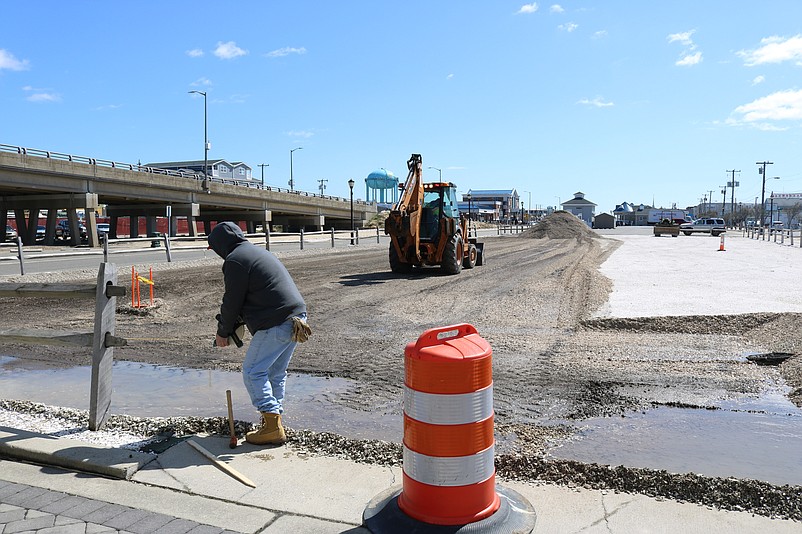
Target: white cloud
{"points": [[528, 8], [599, 34], [779, 106], [228, 50], [597, 102], [44, 97], [774, 50], [689, 59], [568, 27], [195, 52], [689, 56], [450, 77], [556, 8], [305, 134], [8, 61], [758, 80], [286, 51], [202, 81], [108, 107], [684, 37]]}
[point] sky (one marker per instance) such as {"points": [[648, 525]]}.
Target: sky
{"points": [[643, 102]]}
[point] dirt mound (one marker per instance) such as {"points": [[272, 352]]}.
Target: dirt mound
{"points": [[560, 225]]}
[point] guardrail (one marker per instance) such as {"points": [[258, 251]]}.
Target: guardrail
{"points": [[772, 234], [48, 154], [197, 243]]}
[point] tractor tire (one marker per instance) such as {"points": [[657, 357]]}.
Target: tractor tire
{"points": [[396, 265], [452, 255], [480, 257], [469, 261]]}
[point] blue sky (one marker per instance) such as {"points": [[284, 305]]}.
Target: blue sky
{"points": [[644, 102]]}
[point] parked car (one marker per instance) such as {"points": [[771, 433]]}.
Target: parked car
{"points": [[11, 233], [63, 230], [706, 225]]}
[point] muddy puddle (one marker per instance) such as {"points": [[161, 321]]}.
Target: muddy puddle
{"points": [[755, 438], [148, 390]]}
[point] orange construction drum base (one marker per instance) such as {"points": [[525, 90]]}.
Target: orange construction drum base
{"points": [[514, 514], [448, 505]]}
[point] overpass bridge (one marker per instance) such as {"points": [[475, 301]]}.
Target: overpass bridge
{"points": [[33, 180]]}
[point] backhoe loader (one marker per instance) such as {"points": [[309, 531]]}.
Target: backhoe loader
{"points": [[426, 228]]}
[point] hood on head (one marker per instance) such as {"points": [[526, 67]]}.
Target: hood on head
{"points": [[224, 237]]}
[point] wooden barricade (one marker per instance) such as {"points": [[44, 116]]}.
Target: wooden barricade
{"points": [[102, 339]]}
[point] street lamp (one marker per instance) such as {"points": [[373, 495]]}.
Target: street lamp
{"points": [[440, 171], [351, 187], [205, 143], [529, 210], [762, 171], [263, 165], [292, 182]]}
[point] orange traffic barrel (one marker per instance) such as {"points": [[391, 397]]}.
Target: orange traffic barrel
{"points": [[448, 446], [449, 474]]}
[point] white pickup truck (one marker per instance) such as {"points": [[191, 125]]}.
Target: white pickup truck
{"points": [[705, 225]]}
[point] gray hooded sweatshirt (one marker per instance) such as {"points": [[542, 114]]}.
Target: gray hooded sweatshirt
{"points": [[258, 287]]}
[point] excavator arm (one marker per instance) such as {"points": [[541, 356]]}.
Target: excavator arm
{"points": [[403, 223]]}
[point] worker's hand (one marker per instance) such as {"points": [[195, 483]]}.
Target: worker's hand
{"points": [[220, 341]]}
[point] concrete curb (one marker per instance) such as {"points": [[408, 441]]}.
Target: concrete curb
{"points": [[71, 454]]}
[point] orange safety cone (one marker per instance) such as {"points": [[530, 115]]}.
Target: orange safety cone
{"points": [[448, 447], [721, 244]]}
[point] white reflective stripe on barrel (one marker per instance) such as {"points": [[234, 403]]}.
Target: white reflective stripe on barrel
{"points": [[445, 471], [449, 409]]}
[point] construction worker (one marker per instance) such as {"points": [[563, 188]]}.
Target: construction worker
{"points": [[259, 289]]}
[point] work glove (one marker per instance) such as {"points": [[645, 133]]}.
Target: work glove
{"points": [[238, 333], [300, 330]]}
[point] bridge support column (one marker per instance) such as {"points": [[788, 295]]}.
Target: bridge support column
{"points": [[150, 225], [192, 226], [50, 226], [113, 226]]}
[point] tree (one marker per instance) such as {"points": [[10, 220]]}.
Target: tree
{"points": [[793, 212]]}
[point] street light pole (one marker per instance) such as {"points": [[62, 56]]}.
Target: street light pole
{"points": [[529, 210], [440, 171], [762, 171], [351, 187], [292, 182], [205, 143], [263, 165]]}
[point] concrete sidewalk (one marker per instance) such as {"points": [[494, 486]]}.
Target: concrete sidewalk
{"points": [[180, 490]]}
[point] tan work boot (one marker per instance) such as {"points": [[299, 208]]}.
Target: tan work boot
{"points": [[271, 433]]}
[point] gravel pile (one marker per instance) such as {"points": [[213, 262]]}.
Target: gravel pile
{"points": [[156, 434], [560, 225]]}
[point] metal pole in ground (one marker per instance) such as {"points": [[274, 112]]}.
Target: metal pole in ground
{"points": [[20, 256], [302, 237], [332, 237]]}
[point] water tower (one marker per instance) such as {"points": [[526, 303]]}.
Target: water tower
{"points": [[376, 185]]}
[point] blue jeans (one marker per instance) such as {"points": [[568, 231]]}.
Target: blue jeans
{"points": [[264, 370]]}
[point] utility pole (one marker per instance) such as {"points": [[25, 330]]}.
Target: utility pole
{"points": [[762, 172], [723, 202], [263, 165], [322, 185], [710, 200], [733, 184]]}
